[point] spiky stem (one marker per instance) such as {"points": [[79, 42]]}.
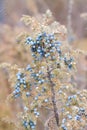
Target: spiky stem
{"points": [[53, 97]]}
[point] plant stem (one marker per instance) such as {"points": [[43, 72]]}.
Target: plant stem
{"points": [[53, 97]]}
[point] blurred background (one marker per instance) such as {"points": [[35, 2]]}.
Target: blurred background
{"points": [[69, 14]]}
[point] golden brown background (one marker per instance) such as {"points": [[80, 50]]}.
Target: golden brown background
{"points": [[10, 26]]}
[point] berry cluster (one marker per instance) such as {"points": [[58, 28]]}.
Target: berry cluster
{"points": [[29, 124], [47, 46], [74, 113], [44, 45], [21, 81]]}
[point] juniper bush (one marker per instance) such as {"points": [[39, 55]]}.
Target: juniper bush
{"points": [[46, 81]]}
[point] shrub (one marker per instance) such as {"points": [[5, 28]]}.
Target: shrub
{"points": [[47, 82]]}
